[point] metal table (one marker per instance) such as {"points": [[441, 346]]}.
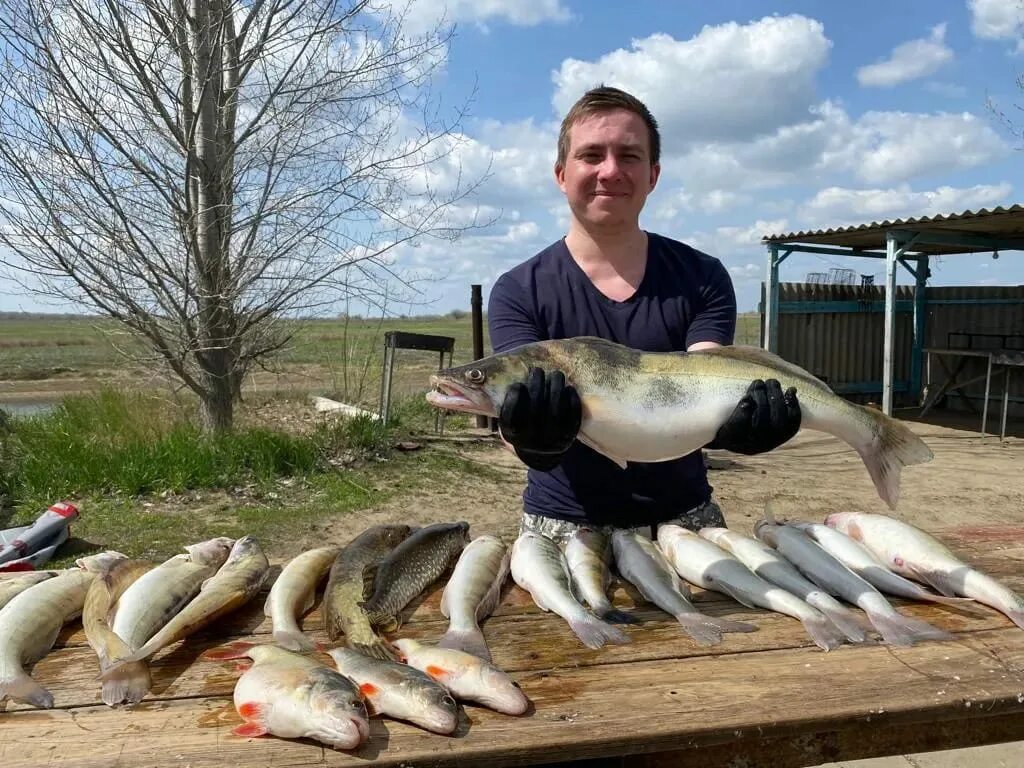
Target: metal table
{"points": [[1007, 359]]}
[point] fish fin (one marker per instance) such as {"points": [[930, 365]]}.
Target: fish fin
{"points": [[468, 640], [591, 443], [845, 621], [616, 616], [493, 597], [824, 633], [934, 579], [1017, 617], [308, 602], [250, 730], [376, 650], [436, 672], [293, 640], [129, 686], [369, 579], [699, 629], [892, 447], [233, 650], [897, 629], [26, 690], [594, 633], [368, 690], [735, 594]]}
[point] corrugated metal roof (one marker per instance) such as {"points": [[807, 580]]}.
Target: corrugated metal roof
{"points": [[997, 222]]}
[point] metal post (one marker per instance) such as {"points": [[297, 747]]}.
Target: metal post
{"points": [[476, 303], [920, 319], [1006, 404], [888, 354], [385, 383], [988, 386], [771, 300]]}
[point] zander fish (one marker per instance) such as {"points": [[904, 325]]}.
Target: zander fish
{"points": [[912, 552], [656, 406], [293, 595], [12, 586], [473, 592], [588, 554]]}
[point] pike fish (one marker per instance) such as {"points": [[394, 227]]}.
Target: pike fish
{"points": [[707, 565], [399, 691], [293, 595], [465, 676], [918, 555], [473, 592], [411, 567], [539, 567], [640, 562], [292, 696], [650, 407], [771, 566], [10, 587], [830, 574], [31, 621], [233, 585], [588, 554], [352, 571]]}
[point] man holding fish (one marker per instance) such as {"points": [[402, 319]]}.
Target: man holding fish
{"points": [[609, 278]]}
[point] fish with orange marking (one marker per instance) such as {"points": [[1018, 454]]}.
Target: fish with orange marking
{"points": [[293, 696]]}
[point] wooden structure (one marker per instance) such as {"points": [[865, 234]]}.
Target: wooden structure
{"points": [[395, 340], [769, 698]]}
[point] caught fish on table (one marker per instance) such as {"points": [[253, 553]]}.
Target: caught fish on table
{"points": [[32, 620], [539, 567], [292, 696], [656, 406], [588, 554], [640, 562], [399, 691], [707, 565], [352, 571], [767, 563], [411, 567], [830, 574], [14, 585], [918, 555], [293, 595], [473, 592]]}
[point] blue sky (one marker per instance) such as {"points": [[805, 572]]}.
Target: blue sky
{"points": [[775, 117]]}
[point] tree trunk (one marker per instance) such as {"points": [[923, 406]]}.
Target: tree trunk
{"points": [[217, 405]]}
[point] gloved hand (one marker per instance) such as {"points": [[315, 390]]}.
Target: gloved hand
{"points": [[764, 419], [541, 418]]}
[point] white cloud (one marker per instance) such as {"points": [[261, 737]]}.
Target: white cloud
{"points": [[909, 61], [997, 19], [425, 14], [731, 81], [747, 272]]}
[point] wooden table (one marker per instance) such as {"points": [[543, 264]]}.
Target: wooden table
{"points": [[768, 698]]}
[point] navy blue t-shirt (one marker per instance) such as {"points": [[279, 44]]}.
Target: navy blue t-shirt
{"points": [[685, 297]]}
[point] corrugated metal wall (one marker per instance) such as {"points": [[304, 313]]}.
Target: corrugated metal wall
{"points": [[845, 348]]}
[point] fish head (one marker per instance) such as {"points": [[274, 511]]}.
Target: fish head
{"points": [[670, 533], [406, 646], [500, 693], [212, 552], [245, 547], [714, 535], [434, 707], [100, 562], [845, 522], [767, 532], [337, 712], [480, 387], [394, 535]]}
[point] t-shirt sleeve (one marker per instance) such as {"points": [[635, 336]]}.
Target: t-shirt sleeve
{"points": [[716, 319], [510, 316]]}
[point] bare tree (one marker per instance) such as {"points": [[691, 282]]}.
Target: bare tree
{"points": [[203, 170]]}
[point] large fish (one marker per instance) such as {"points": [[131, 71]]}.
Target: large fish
{"points": [[473, 592], [293, 595], [707, 565], [237, 582], [12, 586], [352, 570], [767, 563], [912, 552], [650, 407], [292, 696], [411, 567], [588, 554], [640, 562], [539, 567], [830, 574]]}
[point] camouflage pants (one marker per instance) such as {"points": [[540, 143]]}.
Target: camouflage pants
{"points": [[708, 514]]}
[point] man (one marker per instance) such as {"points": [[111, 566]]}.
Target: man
{"points": [[609, 278]]}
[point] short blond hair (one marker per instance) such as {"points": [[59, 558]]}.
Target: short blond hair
{"points": [[604, 99]]}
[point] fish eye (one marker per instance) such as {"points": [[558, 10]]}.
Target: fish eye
{"points": [[476, 376]]}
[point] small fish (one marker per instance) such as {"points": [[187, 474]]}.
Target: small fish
{"points": [[539, 567], [707, 565], [293, 595], [642, 564], [911, 552], [399, 691], [9, 587], [292, 696], [465, 676], [411, 567], [352, 571], [830, 574], [771, 566], [588, 553], [473, 592]]}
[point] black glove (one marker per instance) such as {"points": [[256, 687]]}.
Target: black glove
{"points": [[541, 418], [764, 419]]}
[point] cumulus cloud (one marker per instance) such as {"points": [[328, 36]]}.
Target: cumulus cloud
{"points": [[730, 81], [997, 19], [909, 61], [747, 272], [425, 14]]}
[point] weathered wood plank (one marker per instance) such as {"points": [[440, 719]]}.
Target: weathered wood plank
{"points": [[642, 707]]}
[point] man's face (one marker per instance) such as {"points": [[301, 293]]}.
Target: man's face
{"points": [[608, 171]]}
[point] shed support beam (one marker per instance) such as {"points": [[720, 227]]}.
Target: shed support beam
{"points": [[920, 324], [891, 256], [771, 297]]}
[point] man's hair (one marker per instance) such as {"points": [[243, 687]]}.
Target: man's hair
{"points": [[604, 99]]}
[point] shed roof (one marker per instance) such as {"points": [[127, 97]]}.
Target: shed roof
{"points": [[998, 223]]}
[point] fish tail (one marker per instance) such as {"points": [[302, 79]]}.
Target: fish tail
{"points": [[23, 688], [824, 634], [1016, 616], [844, 620], [700, 628], [377, 649], [892, 447], [897, 629], [468, 640], [594, 633], [128, 686], [728, 625], [293, 640], [616, 616]]}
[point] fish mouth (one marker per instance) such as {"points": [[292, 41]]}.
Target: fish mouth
{"points": [[453, 397]]}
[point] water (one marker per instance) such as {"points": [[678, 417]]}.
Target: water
{"points": [[30, 408]]}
